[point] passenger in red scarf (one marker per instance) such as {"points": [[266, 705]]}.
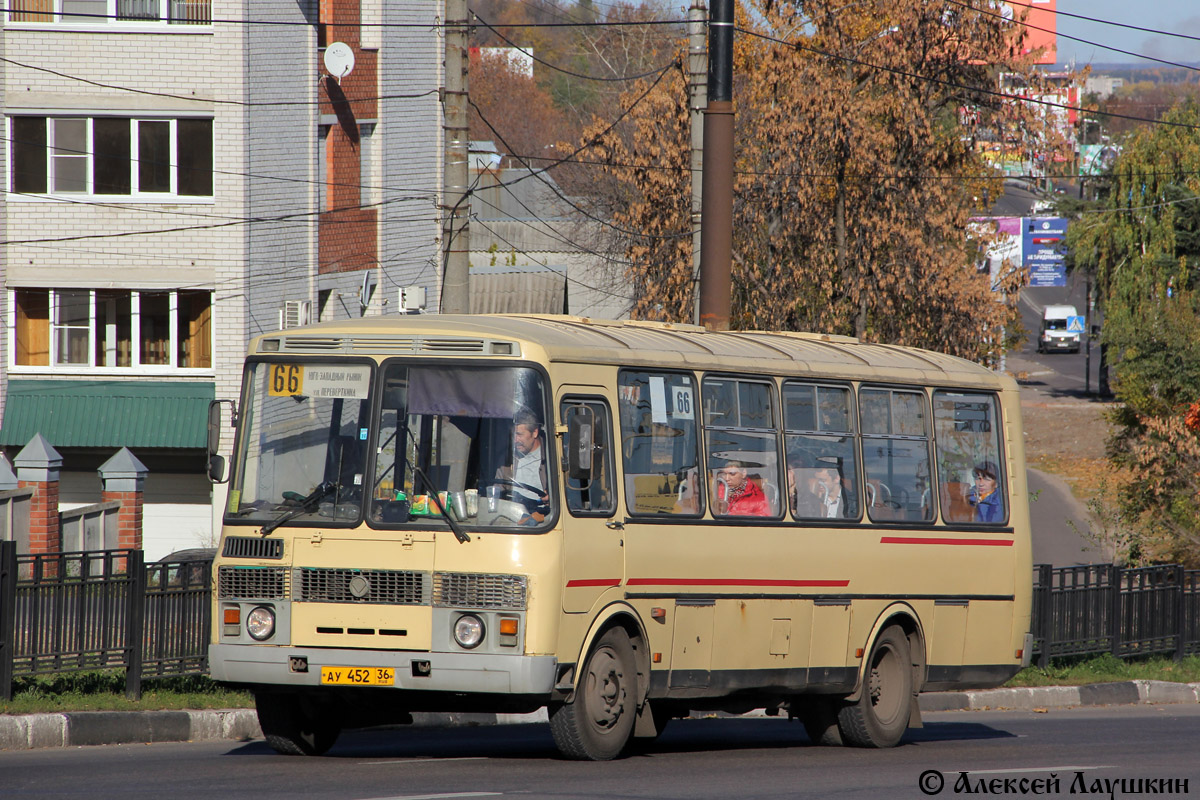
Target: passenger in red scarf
{"points": [[738, 496]]}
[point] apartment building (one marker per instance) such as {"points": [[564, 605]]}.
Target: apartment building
{"points": [[181, 175]]}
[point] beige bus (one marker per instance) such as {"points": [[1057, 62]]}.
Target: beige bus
{"points": [[621, 522]]}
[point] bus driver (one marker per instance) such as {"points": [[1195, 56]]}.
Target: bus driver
{"points": [[527, 475]]}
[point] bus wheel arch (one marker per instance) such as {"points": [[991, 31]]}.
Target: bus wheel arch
{"points": [[884, 703], [596, 720]]}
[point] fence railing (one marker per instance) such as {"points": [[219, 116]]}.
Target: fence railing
{"points": [[67, 612], [62, 612], [1103, 608]]}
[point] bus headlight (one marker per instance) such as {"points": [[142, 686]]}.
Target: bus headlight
{"points": [[260, 623], [468, 631]]}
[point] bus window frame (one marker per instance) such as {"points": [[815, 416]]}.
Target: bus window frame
{"points": [[247, 415], [923, 391], [856, 439], [772, 384], [1001, 461], [552, 467], [619, 433], [610, 456]]}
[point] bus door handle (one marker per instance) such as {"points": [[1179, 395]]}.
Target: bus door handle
{"points": [[613, 525]]}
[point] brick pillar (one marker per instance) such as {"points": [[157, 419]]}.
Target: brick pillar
{"points": [[123, 478], [38, 466]]}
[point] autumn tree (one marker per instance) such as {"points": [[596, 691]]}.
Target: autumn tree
{"points": [[1142, 249], [854, 174]]}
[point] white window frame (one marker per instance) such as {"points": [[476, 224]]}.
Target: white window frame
{"points": [[136, 195], [110, 22], [95, 330]]}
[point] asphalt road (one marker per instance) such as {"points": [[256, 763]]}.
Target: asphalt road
{"points": [[711, 758]]}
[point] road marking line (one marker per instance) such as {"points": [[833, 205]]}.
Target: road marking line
{"points": [[1032, 769], [445, 796], [422, 760]]}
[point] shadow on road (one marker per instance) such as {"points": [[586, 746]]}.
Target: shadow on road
{"points": [[533, 741]]}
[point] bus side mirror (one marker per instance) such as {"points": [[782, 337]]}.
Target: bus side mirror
{"points": [[580, 427], [216, 463]]}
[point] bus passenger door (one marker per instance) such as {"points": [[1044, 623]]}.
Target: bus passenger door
{"points": [[593, 561]]}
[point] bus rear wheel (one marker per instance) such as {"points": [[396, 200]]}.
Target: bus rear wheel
{"points": [[880, 716], [294, 726], [596, 725]]}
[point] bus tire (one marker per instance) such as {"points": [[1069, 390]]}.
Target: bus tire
{"points": [[880, 715], [820, 718], [597, 723], [293, 727]]}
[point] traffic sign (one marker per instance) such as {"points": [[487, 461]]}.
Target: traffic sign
{"points": [[1075, 324]]}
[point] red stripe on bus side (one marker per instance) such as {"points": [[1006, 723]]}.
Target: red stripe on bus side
{"points": [[730, 582], [594, 582], [977, 542]]}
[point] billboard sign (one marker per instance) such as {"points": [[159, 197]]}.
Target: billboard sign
{"points": [[1042, 244]]}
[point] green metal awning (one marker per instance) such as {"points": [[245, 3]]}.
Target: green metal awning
{"points": [[91, 413]]}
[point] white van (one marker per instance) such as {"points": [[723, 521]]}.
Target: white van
{"points": [[1054, 335]]}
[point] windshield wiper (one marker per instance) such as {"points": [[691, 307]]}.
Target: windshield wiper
{"points": [[458, 532], [305, 506]]}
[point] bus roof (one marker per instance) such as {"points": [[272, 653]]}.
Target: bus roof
{"points": [[631, 343]]}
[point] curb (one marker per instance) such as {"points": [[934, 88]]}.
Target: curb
{"points": [[74, 729]]}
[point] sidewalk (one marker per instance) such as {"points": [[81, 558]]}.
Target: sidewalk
{"points": [[73, 729]]}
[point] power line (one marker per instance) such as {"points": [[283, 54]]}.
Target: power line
{"points": [[954, 85], [1073, 38], [556, 68], [294, 217], [1107, 22], [214, 101], [424, 26]]}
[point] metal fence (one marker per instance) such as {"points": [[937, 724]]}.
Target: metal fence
{"points": [[67, 612], [63, 612], [1103, 608]]}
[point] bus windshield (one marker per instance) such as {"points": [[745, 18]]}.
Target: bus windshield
{"points": [[304, 443], [472, 435]]}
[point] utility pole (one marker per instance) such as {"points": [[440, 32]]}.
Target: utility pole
{"points": [[716, 236], [697, 100], [456, 201]]}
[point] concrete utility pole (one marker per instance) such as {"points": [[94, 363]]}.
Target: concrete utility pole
{"points": [[456, 201], [697, 100], [716, 236]]}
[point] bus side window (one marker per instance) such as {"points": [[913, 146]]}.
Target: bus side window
{"points": [[822, 475], [659, 442], [896, 458], [970, 479], [593, 493]]}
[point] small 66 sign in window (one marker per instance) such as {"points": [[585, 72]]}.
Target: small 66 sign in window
{"points": [[286, 380]]}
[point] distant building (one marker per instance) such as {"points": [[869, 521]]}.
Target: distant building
{"points": [[1102, 86], [534, 249], [176, 184]]}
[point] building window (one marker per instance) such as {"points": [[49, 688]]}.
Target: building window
{"points": [[111, 329], [104, 12], [112, 156]]}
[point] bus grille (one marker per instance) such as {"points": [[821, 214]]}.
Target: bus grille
{"points": [[387, 587], [252, 583], [469, 590], [252, 547]]}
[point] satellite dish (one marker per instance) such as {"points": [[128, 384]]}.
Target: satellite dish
{"points": [[339, 60]]}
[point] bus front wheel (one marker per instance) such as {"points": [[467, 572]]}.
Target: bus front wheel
{"points": [[597, 723], [880, 716], [295, 727]]}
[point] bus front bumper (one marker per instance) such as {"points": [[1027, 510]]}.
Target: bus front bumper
{"points": [[432, 672]]}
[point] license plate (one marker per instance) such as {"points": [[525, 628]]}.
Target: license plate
{"points": [[358, 676]]}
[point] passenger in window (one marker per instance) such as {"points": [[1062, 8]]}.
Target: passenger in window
{"points": [[817, 491], [739, 496], [984, 497], [527, 476]]}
